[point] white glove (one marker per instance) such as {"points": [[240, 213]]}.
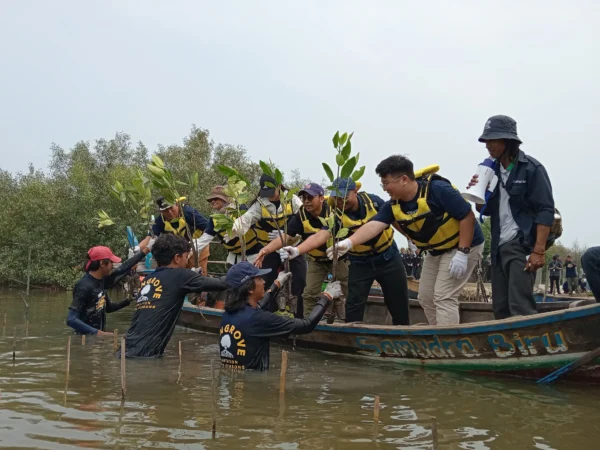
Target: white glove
{"points": [[342, 248], [334, 289], [198, 270], [282, 254], [289, 253], [458, 265], [273, 235], [150, 244], [283, 277], [133, 251]]}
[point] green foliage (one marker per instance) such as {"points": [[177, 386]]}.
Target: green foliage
{"points": [[56, 213]]}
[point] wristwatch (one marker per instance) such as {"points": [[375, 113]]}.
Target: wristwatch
{"points": [[465, 250]]}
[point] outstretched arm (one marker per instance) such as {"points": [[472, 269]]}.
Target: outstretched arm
{"points": [[367, 232]]}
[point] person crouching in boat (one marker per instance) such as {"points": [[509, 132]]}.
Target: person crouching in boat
{"points": [[182, 220], [87, 313], [306, 223], [246, 326], [218, 201], [436, 218], [162, 295], [267, 214]]}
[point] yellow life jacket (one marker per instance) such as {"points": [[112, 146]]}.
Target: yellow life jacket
{"points": [[319, 253], [428, 231], [266, 224], [179, 226], [379, 243], [235, 245]]}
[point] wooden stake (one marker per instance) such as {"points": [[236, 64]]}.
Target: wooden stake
{"points": [[284, 363], [376, 409], [4, 319], [115, 340], [434, 433], [123, 378], [68, 357], [179, 352], [27, 328], [15, 344], [179, 369], [212, 398]]}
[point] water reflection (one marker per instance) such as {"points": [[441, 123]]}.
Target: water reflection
{"points": [[328, 401]]}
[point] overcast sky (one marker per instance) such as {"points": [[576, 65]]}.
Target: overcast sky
{"points": [[280, 77]]}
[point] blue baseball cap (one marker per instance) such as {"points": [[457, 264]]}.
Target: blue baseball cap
{"points": [[343, 185], [242, 272], [312, 189]]}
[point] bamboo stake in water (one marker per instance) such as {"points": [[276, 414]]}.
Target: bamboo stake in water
{"points": [[4, 319], [284, 363], [376, 409], [434, 433], [212, 397], [68, 357], [123, 378], [15, 344], [115, 340], [27, 328], [180, 353], [83, 339], [179, 369]]}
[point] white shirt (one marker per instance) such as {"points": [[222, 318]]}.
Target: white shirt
{"points": [[508, 226], [254, 213]]}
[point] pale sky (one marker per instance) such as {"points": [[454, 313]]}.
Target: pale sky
{"points": [[280, 77]]}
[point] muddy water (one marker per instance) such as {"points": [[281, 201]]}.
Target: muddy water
{"points": [[328, 403]]}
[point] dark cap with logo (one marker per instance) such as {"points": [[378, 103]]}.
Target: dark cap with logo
{"points": [[312, 189], [241, 273], [267, 191], [344, 186], [500, 127], [163, 204]]}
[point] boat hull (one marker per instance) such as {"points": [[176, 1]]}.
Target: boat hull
{"points": [[527, 347]]}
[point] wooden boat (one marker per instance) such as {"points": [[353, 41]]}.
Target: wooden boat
{"points": [[528, 347]]}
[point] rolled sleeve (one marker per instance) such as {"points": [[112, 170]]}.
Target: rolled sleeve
{"points": [[541, 197]]}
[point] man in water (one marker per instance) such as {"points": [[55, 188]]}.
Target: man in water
{"points": [[87, 313], [182, 220], [247, 326], [437, 219], [522, 212], [159, 303]]}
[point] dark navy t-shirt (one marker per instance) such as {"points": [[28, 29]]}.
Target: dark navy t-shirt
{"points": [[571, 269], [443, 198]]}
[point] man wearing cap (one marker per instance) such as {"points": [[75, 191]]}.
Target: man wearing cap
{"points": [[163, 292], [521, 208], [247, 326], [571, 275], [377, 259], [267, 214], [182, 220], [431, 213], [218, 201], [87, 313], [307, 222]]}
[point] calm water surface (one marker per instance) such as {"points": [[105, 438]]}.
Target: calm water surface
{"points": [[328, 403]]}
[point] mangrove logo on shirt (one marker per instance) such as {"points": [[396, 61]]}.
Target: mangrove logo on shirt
{"points": [[232, 344], [151, 290], [101, 303]]}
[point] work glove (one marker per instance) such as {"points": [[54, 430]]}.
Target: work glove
{"points": [[237, 227], [458, 265], [133, 251], [289, 253], [283, 277], [150, 244], [342, 248], [198, 270], [273, 235], [334, 289]]}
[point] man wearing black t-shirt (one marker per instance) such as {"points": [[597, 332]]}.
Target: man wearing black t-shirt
{"points": [[159, 304], [246, 326]]}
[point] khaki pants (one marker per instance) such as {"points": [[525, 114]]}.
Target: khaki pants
{"points": [[316, 275], [438, 291]]}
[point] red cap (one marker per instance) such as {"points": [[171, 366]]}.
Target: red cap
{"points": [[99, 253]]}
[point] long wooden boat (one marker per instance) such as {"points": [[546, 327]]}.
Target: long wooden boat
{"points": [[528, 347]]}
